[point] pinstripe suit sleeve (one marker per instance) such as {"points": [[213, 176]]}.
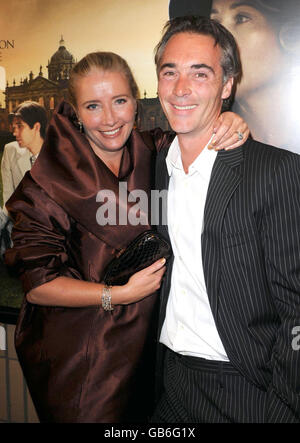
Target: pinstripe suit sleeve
{"points": [[281, 241]]}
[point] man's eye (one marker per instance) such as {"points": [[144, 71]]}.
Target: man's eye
{"points": [[201, 75], [168, 73]]}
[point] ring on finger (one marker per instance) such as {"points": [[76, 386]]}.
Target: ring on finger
{"points": [[240, 135]]}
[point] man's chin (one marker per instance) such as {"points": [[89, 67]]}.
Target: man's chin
{"points": [[180, 129]]}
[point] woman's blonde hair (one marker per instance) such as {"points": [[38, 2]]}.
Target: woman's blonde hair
{"points": [[104, 61]]}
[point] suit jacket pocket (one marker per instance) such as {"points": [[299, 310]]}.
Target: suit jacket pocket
{"points": [[238, 238]]}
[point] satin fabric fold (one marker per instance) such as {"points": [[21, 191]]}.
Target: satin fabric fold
{"points": [[71, 173]]}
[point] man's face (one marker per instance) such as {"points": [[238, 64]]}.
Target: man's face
{"points": [[25, 135], [190, 84]]}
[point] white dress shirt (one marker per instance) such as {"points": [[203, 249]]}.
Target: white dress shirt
{"points": [[189, 327]]}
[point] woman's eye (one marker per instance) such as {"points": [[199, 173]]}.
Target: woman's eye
{"points": [[242, 18], [121, 101], [92, 106]]}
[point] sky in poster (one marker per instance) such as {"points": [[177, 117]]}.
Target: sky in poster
{"points": [[129, 27]]}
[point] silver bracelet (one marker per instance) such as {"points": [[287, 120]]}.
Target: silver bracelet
{"points": [[106, 298]]}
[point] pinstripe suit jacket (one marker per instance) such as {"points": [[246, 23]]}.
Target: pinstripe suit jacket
{"points": [[251, 260]]}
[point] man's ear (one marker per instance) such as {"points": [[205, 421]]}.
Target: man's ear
{"points": [[227, 88], [37, 127]]}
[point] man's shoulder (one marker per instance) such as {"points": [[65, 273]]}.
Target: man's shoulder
{"points": [[256, 147], [262, 160], [13, 148]]}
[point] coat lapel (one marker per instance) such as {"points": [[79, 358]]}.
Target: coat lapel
{"points": [[23, 161], [162, 179], [225, 178]]}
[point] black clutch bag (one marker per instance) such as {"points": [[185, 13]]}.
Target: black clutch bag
{"points": [[140, 253]]}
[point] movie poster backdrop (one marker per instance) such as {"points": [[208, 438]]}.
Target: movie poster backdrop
{"points": [[40, 40]]}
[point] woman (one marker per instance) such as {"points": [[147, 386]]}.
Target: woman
{"points": [[268, 35], [82, 363]]}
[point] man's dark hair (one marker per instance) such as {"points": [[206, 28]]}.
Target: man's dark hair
{"points": [[230, 60], [32, 112]]}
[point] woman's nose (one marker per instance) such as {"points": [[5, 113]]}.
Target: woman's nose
{"points": [[109, 117]]}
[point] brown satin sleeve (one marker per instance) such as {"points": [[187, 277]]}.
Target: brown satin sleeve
{"points": [[39, 236], [161, 139]]}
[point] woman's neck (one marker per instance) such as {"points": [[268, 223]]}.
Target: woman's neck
{"points": [[264, 115]]}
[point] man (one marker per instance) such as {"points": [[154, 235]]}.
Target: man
{"points": [[259, 27], [29, 126], [29, 123], [14, 164], [230, 299]]}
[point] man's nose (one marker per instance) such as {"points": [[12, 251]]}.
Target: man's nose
{"points": [[182, 86]]}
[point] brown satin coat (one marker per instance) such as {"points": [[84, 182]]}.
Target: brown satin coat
{"points": [[80, 364]]}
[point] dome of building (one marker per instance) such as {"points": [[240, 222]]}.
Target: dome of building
{"points": [[61, 63], [62, 54]]}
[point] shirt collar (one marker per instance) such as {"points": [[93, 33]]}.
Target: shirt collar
{"points": [[173, 159], [203, 162]]}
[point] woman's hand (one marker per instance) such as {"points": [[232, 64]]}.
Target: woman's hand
{"points": [[230, 130], [140, 285]]}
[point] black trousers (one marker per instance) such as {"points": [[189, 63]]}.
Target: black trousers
{"points": [[206, 391]]}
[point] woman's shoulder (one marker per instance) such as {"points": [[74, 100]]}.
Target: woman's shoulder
{"points": [[29, 197]]}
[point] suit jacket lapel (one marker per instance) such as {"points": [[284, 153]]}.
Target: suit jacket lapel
{"points": [[162, 184], [226, 176]]}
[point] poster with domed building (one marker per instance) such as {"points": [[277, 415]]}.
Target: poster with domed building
{"points": [[40, 41]]}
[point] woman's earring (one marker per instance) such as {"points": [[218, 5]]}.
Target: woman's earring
{"points": [[80, 126]]}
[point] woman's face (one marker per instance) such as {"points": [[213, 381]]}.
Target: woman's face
{"points": [[257, 40], [106, 108]]}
